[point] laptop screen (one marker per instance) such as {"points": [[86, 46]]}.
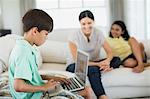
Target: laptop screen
{"points": [[81, 65]]}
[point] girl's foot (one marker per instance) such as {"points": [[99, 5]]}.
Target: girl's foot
{"points": [[138, 68]]}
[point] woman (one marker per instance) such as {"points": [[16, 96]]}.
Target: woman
{"points": [[90, 40], [127, 48]]}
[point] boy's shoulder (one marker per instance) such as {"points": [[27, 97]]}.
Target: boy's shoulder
{"points": [[23, 44], [21, 48]]}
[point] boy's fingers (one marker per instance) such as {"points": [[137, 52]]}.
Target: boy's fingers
{"points": [[65, 80], [52, 80]]}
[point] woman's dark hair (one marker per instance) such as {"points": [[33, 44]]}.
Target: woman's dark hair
{"points": [[125, 35], [37, 18], [86, 13]]}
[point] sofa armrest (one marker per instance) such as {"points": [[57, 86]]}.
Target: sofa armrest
{"points": [[147, 47]]}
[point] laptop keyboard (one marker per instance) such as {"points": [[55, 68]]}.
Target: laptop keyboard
{"points": [[74, 84]]}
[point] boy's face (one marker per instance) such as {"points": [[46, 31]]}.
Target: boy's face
{"points": [[40, 37]]}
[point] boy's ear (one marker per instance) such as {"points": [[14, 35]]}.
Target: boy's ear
{"points": [[34, 30]]}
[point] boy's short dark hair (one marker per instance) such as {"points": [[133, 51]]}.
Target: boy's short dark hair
{"points": [[37, 18]]}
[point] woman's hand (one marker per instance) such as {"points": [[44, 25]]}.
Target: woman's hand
{"points": [[105, 62], [105, 65]]}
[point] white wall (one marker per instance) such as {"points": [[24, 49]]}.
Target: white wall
{"points": [[11, 15]]}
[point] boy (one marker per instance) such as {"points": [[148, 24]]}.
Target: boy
{"points": [[24, 80]]}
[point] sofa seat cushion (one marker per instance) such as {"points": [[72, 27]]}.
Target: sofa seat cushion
{"points": [[125, 77]]}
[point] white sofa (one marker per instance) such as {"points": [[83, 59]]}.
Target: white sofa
{"points": [[118, 83]]}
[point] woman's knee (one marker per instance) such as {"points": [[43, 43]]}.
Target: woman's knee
{"points": [[93, 69], [94, 73], [130, 63]]}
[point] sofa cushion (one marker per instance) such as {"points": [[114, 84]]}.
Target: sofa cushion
{"points": [[50, 67], [61, 35], [125, 77], [54, 51], [6, 45], [2, 66]]}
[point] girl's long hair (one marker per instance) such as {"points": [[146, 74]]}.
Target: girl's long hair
{"points": [[125, 35]]}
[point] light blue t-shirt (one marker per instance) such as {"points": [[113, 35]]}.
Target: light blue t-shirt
{"points": [[23, 64]]}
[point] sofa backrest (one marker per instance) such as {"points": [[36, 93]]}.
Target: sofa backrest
{"points": [[61, 34], [6, 45], [55, 48], [54, 51], [147, 47]]}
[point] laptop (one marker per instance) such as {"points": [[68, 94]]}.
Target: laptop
{"points": [[78, 81]]}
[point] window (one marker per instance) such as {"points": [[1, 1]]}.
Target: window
{"points": [[65, 12]]}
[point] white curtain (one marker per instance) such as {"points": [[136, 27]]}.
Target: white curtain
{"points": [[135, 14], [137, 18], [1, 23], [26, 5], [116, 10]]}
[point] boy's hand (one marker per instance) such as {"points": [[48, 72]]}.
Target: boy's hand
{"points": [[56, 78], [62, 80], [50, 85]]}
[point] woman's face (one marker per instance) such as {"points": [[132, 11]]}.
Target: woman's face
{"points": [[86, 25], [116, 31]]}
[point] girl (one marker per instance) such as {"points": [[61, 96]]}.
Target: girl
{"points": [[127, 48]]}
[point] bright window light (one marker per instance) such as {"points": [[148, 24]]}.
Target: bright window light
{"points": [[65, 12]]}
